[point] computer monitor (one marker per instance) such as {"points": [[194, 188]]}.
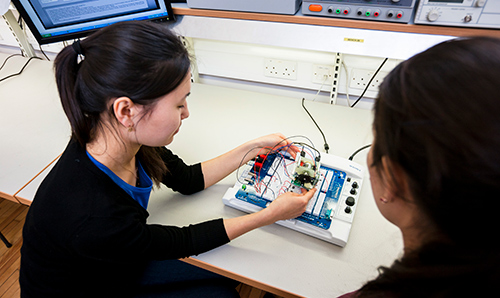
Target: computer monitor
{"points": [[59, 20]]}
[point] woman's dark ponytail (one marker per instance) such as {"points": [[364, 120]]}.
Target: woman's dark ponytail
{"points": [[66, 68]]}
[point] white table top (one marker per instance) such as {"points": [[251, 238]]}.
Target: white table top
{"points": [[33, 127], [276, 256], [34, 131]]}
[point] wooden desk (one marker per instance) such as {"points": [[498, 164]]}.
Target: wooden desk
{"points": [[34, 131]]}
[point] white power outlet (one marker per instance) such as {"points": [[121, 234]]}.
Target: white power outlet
{"points": [[280, 69], [361, 77], [322, 74]]}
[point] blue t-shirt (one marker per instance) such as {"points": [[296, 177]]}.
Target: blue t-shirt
{"points": [[139, 193]]}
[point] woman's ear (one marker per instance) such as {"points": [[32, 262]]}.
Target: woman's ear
{"points": [[395, 179], [125, 110]]}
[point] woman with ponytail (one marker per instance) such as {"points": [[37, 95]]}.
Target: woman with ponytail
{"points": [[124, 90], [435, 171]]}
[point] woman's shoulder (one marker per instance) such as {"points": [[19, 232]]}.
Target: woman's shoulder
{"points": [[75, 182], [349, 295]]}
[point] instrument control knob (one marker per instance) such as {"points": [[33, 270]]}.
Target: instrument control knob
{"points": [[467, 18], [433, 15], [480, 3], [350, 201]]}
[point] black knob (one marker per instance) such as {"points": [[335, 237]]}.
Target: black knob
{"points": [[350, 201], [355, 184], [353, 191], [347, 209]]}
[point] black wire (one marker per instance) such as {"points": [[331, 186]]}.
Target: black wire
{"points": [[41, 50], [20, 22], [324, 138], [6, 59], [369, 82], [301, 136], [22, 69], [304, 144], [357, 151]]}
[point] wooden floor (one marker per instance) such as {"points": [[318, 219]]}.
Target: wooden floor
{"points": [[12, 216]]}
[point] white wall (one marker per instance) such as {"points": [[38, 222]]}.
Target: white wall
{"points": [[244, 65], [9, 45], [226, 60]]}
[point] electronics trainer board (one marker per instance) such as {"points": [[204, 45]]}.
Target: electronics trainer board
{"points": [[330, 212]]}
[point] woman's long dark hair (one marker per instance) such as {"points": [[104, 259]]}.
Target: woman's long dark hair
{"points": [[140, 60], [437, 116]]}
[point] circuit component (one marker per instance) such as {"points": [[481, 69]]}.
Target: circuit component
{"points": [[259, 161], [306, 173]]}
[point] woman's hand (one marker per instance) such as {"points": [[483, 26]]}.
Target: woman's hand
{"points": [[271, 142], [216, 169], [286, 206], [289, 205]]}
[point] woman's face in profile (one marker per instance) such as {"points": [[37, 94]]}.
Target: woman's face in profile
{"points": [[160, 126]]}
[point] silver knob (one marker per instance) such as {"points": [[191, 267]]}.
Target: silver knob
{"points": [[433, 15], [480, 3]]}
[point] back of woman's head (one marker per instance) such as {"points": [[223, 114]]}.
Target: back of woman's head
{"points": [[437, 116], [139, 60]]}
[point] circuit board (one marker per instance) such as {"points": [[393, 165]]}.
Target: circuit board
{"points": [[329, 214], [264, 179]]}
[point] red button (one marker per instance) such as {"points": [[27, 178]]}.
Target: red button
{"points": [[315, 7]]}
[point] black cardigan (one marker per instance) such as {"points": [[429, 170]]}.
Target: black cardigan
{"points": [[86, 237]]}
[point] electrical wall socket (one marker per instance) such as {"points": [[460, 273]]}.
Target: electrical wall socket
{"points": [[360, 77], [280, 69], [322, 74]]}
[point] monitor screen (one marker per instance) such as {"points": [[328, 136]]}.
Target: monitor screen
{"points": [[58, 20]]}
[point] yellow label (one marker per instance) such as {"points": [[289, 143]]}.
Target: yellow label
{"points": [[354, 39]]}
